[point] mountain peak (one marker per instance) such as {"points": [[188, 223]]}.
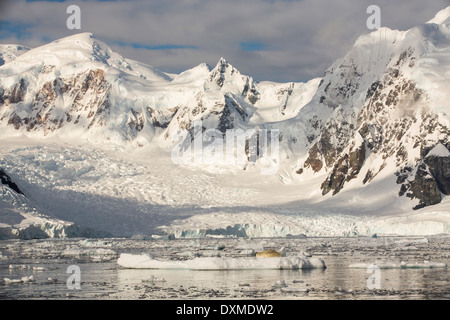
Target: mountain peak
{"points": [[441, 17], [223, 70], [222, 61], [74, 49], [222, 65], [84, 37]]}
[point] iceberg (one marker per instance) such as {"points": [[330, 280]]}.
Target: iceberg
{"points": [[130, 261]]}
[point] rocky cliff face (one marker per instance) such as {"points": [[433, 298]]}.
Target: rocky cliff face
{"points": [[83, 96], [429, 180], [392, 127]]}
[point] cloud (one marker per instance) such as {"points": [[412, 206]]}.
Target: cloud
{"points": [[17, 30], [268, 39], [137, 45], [253, 46]]}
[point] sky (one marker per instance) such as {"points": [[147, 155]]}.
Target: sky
{"points": [[277, 40]]}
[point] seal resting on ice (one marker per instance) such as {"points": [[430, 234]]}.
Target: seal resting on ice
{"points": [[268, 254]]}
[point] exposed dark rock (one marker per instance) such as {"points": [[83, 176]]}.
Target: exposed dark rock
{"points": [[432, 179], [346, 168], [218, 75], [368, 177], [15, 121], [313, 160], [6, 180], [18, 92], [403, 190], [227, 118], [440, 170], [373, 88], [251, 92], [424, 188]]}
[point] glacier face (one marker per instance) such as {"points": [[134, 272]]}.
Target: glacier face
{"points": [[22, 219], [369, 138]]}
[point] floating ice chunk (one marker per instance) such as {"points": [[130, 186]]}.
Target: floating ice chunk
{"points": [[131, 261], [11, 281], [27, 279], [218, 236], [294, 290], [16, 281], [38, 268], [409, 242], [381, 265], [154, 279], [210, 254], [90, 243], [75, 252], [424, 265], [18, 266], [247, 252], [403, 265], [51, 280]]}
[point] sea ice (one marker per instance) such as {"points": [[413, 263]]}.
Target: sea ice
{"points": [[402, 265], [143, 261], [424, 265]]}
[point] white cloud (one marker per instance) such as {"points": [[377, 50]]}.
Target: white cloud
{"points": [[301, 38]]}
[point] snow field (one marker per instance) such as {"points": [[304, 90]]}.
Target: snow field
{"points": [[130, 193]]}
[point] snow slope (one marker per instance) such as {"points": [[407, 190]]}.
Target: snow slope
{"points": [[10, 52], [20, 218], [129, 192]]}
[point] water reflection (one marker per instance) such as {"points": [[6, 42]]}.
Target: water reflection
{"points": [[106, 280]]}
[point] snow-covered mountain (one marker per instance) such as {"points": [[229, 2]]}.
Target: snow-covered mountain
{"points": [[78, 86], [371, 135], [383, 111]]}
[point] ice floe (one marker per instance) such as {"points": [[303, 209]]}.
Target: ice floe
{"points": [[144, 261], [402, 265]]}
